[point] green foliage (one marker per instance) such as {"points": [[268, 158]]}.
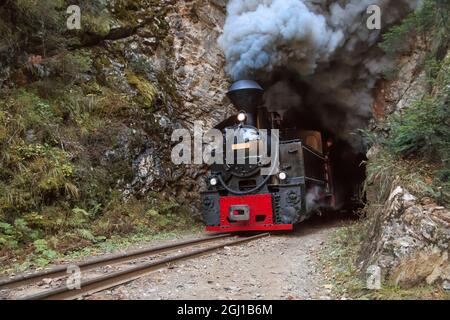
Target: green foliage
{"points": [[45, 254], [69, 65], [386, 170], [99, 25], [3, 131], [159, 220], [430, 22], [146, 89], [422, 131], [6, 228], [86, 234], [394, 39], [68, 134], [417, 148], [44, 13], [23, 230], [50, 167], [41, 24], [78, 218], [167, 215]]}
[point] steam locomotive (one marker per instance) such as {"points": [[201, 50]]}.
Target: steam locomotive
{"points": [[249, 194]]}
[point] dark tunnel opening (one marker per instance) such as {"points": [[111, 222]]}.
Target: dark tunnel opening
{"points": [[349, 174], [301, 106]]}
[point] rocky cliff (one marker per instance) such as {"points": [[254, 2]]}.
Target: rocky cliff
{"points": [[408, 220], [409, 240], [86, 116], [194, 67]]}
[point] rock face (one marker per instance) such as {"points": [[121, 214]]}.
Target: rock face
{"points": [[409, 237], [154, 64], [410, 240], [396, 94], [195, 86], [198, 63]]}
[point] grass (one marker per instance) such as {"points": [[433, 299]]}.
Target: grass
{"points": [[340, 259], [42, 256], [117, 225], [69, 133], [67, 144], [416, 175], [414, 154]]}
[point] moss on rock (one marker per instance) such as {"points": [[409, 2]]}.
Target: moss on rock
{"points": [[145, 88]]}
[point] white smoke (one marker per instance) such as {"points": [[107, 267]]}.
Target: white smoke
{"points": [[260, 35], [325, 43], [264, 34]]}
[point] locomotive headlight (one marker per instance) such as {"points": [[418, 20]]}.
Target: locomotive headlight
{"points": [[241, 116], [213, 181], [282, 175]]}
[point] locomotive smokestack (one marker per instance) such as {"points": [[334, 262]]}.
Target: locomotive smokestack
{"points": [[246, 95]]}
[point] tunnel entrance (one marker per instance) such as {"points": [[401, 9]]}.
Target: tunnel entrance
{"points": [[348, 175], [303, 106]]}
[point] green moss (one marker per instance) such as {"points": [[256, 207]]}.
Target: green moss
{"points": [[101, 62], [63, 161], [146, 89], [99, 25]]}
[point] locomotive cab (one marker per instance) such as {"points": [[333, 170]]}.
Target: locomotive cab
{"points": [[256, 193]]}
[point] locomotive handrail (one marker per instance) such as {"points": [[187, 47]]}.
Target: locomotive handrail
{"points": [[313, 152], [242, 193], [315, 180]]}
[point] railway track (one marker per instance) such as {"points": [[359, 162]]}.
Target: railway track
{"points": [[123, 275]]}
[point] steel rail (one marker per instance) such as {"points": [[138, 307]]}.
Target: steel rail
{"points": [[61, 270], [120, 277]]}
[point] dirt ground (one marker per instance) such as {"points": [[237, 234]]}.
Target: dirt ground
{"points": [[282, 266]]}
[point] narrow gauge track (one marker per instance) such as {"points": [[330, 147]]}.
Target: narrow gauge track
{"points": [[113, 279], [60, 271]]}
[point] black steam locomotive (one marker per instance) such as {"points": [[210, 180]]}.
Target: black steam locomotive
{"points": [[250, 193]]}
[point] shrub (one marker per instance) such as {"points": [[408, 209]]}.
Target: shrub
{"points": [[45, 254], [423, 128], [430, 22], [70, 66], [422, 131], [42, 24]]}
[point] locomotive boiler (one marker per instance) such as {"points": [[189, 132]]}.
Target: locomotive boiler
{"points": [[250, 193]]}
